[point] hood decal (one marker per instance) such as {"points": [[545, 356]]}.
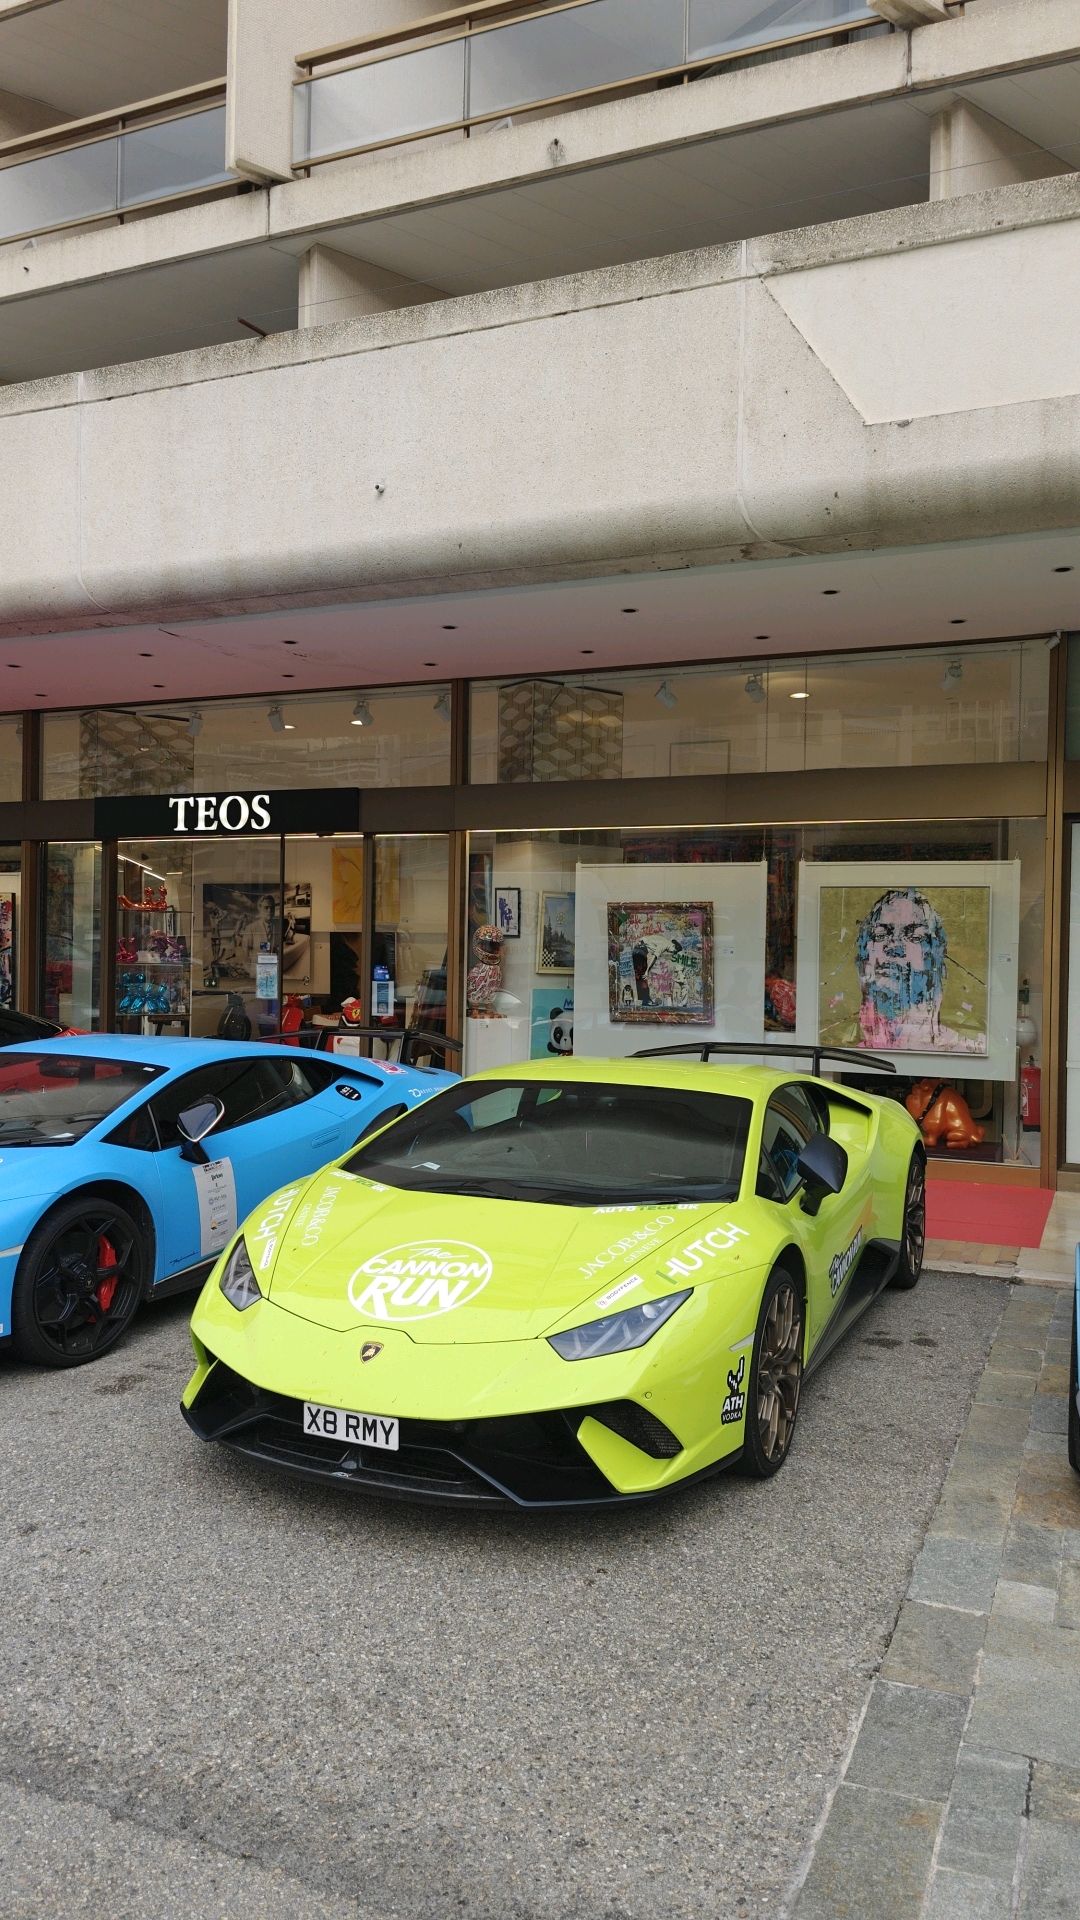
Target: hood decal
{"points": [[419, 1279]]}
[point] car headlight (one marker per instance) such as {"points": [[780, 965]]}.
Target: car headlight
{"points": [[238, 1282], [618, 1332]]}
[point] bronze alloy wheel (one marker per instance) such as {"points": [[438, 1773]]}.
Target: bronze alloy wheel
{"points": [[913, 1230], [775, 1378]]}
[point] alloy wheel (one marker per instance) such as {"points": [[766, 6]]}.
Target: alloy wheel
{"points": [[779, 1372], [915, 1217], [87, 1283]]}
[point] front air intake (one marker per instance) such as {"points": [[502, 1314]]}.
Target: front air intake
{"points": [[636, 1424]]}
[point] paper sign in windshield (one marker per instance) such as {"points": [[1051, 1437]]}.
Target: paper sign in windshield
{"points": [[216, 1189]]}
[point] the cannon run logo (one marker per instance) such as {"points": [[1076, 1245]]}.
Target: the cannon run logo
{"points": [[419, 1280]]}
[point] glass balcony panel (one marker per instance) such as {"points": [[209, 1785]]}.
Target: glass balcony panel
{"points": [[56, 190], [387, 100], [177, 156], [722, 26], [593, 46]]}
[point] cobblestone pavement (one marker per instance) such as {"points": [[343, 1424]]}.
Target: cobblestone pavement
{"points": [[961, 1797], [226, 1696]]}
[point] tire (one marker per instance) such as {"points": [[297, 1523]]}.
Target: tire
{"points": [[913, 1228], [772, 1402], [1073, 1387], [79, 1282], [1074, 1416]]}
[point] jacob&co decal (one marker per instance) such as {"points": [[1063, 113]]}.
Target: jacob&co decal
{"points": [[419, 1280]]}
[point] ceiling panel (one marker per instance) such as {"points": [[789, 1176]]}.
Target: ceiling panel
{"points": [[86, 56]]}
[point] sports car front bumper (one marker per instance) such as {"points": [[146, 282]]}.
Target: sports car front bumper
{"points": [[518, 1460]]}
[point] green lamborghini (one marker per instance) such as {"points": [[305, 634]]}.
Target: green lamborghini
{"points": [[572, 1283]]}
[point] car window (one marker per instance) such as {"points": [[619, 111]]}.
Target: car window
{"points": [[791, 1117], [248, 1090], [567, 1143], [53, 1099]]}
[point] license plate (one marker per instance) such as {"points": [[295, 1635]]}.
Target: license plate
{"points": [[366, 1429]]}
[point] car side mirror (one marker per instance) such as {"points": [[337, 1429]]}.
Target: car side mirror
{"points": [[194, 1124], [823, 1167]]}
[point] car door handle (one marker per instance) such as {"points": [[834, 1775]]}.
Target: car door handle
{"points": [[326, 1139]]}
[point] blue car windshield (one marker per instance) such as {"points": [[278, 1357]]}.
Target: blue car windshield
{"points": [[53, 1099], [567, 1143]]}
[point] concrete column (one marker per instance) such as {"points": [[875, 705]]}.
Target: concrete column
{"points": [[971, 152], [335, 286]]}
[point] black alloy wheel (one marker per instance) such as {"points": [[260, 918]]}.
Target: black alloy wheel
{"points": [[80, 1279], [772, 1402], [1073, 1391], [913, 1229]]}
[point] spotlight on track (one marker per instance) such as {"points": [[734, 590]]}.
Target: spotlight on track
{"points": [[755, 688], [362, 715], [665, 696]]}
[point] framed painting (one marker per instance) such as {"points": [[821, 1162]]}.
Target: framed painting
{"points": [[660, 963], [508, 912], [555, 933]]}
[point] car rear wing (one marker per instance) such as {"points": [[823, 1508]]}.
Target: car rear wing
{"points": [[706, 1048]]}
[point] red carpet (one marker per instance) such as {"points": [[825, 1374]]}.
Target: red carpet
{"points": [[991, 1216]]}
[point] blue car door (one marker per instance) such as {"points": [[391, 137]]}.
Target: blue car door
{"points": [[272, 1131]]}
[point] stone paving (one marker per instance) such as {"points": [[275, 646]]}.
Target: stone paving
{"points": [[960, 1799]]}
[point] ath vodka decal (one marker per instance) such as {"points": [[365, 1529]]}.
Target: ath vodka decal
{"points": [[735, 1403], [419, 1279]]}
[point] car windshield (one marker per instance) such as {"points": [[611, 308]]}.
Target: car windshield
{"points": [[52, 1099], [571, 1143]]}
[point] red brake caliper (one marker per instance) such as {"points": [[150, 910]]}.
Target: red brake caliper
{"points": [[106, 1254]]}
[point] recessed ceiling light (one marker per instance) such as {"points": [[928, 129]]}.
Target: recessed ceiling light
{"points": [[15, 665], [830, 589], [629, 609], [449, 629], [146, 656], [431, 663], [1062, 569], [159, 686], [958, 623], [288, 676], [288, 643], [798, 696], [588, 649], [41, 696], [761, 636]]}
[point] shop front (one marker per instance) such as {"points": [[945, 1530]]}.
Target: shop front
{"points": [[868, 853]]}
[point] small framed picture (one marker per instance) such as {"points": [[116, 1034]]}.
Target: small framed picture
{"points": [[555, 934], [508, 912]]}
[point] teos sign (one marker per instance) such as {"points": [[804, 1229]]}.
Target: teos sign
{"points": [[289, 810]]}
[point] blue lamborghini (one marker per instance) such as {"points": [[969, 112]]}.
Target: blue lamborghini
{"points": [[108, 1194]]}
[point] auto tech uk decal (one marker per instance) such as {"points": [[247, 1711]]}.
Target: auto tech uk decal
{"points": [[735, 1403], [420, 1279], [841, 1265]]}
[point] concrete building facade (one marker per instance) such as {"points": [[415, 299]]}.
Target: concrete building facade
{"points": [[530, 440]]}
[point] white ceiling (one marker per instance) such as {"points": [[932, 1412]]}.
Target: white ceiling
{"points": [[87, 56], [758, 609]]}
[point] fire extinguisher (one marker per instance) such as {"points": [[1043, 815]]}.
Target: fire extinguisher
{"points": [[1030, 1097]]}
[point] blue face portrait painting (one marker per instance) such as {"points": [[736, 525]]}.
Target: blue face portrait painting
{"points": [[127, 1164], [900, 954]]}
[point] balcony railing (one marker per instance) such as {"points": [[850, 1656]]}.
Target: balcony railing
{"points": [[471, 68], [114, 168]]}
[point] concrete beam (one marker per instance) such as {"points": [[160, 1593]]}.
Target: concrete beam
{"points": [[971, 152], [735, 403], [334, 286]]}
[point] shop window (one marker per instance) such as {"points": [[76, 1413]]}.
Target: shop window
{"points": [[10, 756], [409, 937], [385, 737], [918, 708], [10, 907], [921, 945], [72, 929]]}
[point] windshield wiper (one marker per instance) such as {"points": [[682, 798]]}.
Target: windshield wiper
{"points": [[27, 1138]]}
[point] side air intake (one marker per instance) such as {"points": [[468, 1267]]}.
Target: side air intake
{"points": [[640, 1427]]}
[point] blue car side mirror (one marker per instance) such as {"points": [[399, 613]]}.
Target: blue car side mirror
{"points": [[823, 1166], [193, 1125]]}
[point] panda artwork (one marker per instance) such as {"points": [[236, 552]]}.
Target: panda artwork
{"points": [[561, 1038]]}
